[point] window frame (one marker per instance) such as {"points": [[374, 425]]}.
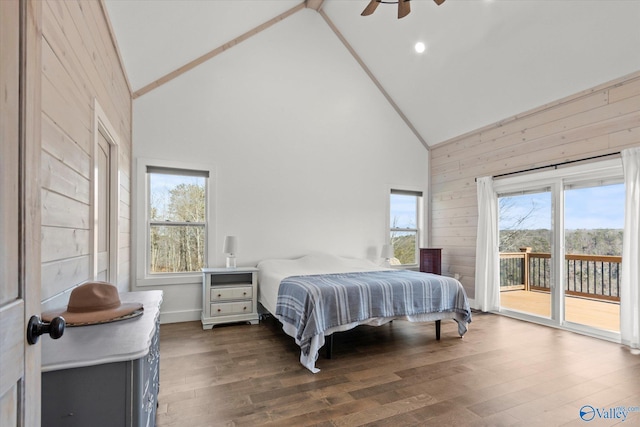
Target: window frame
{"points": [[418, 230], [143, 222]]}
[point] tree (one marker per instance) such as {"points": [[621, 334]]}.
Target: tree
{"points": [[514, 231], [178, 234], [404, 244]]}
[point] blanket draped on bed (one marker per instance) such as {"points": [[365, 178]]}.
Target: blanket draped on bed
{"points": [[313, 304]]}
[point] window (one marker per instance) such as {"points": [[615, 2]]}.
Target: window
{"points": [[174, 227], [176, 219], [404, 220]]}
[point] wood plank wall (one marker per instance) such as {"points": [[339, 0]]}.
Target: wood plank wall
{"points": [[601, 120], [79, 65]]}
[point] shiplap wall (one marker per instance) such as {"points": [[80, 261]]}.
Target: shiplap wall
{"points": [[601, 120], [79, 67]]}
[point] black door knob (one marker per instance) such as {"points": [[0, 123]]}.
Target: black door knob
{"points": [[37, 327]]}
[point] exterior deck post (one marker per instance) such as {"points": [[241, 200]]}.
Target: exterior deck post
{"points": [[525, 268]]}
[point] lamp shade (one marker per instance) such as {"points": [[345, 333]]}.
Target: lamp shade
{"points": [[387, 251], [230, 245]]}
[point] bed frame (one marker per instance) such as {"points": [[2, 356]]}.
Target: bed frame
{"points": [[328, 342]]}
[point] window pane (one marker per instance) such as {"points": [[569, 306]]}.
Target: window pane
{"points": [[404, 247], [404, 211], [525, 252], [594, 220], [176, 198], [176, 249], [525, 221]]}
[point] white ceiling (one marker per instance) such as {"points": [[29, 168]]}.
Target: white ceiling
{"points": [[485, 60]]}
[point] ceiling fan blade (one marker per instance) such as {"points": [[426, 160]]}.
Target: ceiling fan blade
{"points": [[403, 8], [371, 7], [439, 2]]}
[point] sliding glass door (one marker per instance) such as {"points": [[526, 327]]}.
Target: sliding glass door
{"points": [[560, 246]]}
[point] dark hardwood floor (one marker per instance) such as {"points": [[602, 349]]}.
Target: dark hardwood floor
{"points": [[504, 372]]}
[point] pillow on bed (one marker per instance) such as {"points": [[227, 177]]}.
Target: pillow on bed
{"points": [[317, 263]]}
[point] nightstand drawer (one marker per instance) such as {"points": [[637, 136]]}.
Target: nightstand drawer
{"points": [[221, 294], [227, 308]]}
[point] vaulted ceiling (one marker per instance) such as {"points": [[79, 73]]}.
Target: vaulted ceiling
{"points": [[485, 60]]}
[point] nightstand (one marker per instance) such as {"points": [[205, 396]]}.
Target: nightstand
{"points": [[229, 295], [431, 260]]}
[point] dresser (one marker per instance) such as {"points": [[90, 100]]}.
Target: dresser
{"points": [[104, 375], [229, 295], [431, 260]]}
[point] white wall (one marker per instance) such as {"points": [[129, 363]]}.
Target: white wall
{"points": [[304, 146]]}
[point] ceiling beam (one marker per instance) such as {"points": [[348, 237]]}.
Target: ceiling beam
{"points": [[374, 79], [207, 56], [114, 41], [313, 4]]}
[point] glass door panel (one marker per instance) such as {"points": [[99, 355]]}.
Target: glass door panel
{"points": [[525, 252], [594, 222]]}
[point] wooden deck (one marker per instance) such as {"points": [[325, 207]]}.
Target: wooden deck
{"points": [[599, 314]]}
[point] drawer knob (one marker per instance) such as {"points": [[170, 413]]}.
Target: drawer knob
{"points": [[219, 310], [244, 308], [219, 295], [244, 293]]}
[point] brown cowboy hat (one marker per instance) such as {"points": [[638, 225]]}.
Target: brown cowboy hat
{"points": [[92, 303]]}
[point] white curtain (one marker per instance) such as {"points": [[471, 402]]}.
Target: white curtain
{"points": [[487, 259], [630, 275]]}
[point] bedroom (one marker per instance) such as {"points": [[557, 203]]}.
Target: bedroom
{"points": [[316, 161]]}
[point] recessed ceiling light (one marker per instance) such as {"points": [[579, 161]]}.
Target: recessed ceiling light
{"points": [[420, 47]]}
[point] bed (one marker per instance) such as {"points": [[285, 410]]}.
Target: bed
{"points": [[319, 294]]}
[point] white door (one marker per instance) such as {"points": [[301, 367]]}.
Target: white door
{"points": [[19, 215]]}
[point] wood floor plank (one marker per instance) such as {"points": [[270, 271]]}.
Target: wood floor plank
{"points": [[503, 372]]}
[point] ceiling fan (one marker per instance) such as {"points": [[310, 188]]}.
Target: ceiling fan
{"points": [[403, 7]]}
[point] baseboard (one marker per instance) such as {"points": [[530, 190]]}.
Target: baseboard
{"points": [[179, 316]]}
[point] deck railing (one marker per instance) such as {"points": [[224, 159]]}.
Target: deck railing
{"points": [[591, 276]]}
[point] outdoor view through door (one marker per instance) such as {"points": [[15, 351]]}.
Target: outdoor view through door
{"points": [[592, 247], [593, 222], [525, 251]]}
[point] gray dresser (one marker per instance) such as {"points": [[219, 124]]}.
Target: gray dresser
{"points": [[104, 375]]}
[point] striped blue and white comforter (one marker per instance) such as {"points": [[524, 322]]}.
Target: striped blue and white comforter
{"points": [[310, 305]]}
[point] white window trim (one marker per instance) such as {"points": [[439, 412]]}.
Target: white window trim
{"points": [[140, 232], [605, 169], [422, 208]]}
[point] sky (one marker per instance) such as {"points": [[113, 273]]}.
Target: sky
{"points": [[585, 208], [160, 186], [403, 211]]}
